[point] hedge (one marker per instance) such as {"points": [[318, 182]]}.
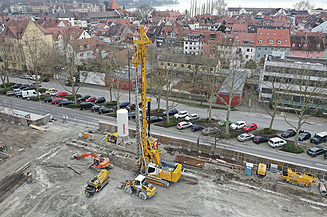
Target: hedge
{"points": [[290, 148], [73, 106], [8, 85], [71, 97], [42, 90], [37, 98], [2, 91], [112, 103]]}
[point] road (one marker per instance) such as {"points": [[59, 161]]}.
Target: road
{"points": [[91, 119]]}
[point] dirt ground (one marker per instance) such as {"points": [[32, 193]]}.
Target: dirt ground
{"points": [[210, 191]]}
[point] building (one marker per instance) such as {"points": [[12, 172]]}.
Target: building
{"points": [[272, 42], [194, 43], [245, 45]]}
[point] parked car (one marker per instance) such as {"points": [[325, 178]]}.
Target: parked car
{"points": [[131, 115], [53, 93], [95, 108], [24, 86], [132, 106], [86, 105], [276, 142], [103, 110], [65, 102], [46, 79], [288, 133], [154, 119], [91, 99], [57, 100], [19, 93], [183, 125], [171, 112], [238, 125], [260, 139], [50, 90], [316, 151], [61, 94], [222, 123], [245, 137], [304, 136], [209, 131], [49, 99], [83, 98], [31, 87], [26, 77], [100, 100], [196, 127], [13, 92], [319, 138], [192, 117], [250, 127], [15, 86], [123, 104], [29, 93], [181, 114]]}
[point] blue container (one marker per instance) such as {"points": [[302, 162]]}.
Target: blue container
{"points": [[248, 169]]}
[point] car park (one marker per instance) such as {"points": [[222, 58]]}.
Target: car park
{"points": [[304, 136], [123, 104], [245, 137], [83, 98], [100, 100], [131, 115], [250, 127], [319, 138], [86, 105], [316, 151], [238, 125], [222, 123], [183, 125], [181, 114], [196, 127], [91, 99], [171, 112], [104, 110], [154, 119], [57, 100], [191, 117], [61, 94], [95, 108], [209, 131], [49, 99], [288, 133], [260, 139], [132, 106], [15, 86], [65, 102], [276, 142]]}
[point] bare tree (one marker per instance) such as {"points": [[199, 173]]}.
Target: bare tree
{"points": [[5, 55], [144, 12], [303, 5], [219, 6]]}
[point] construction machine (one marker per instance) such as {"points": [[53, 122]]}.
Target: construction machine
{"points": [[140, 186], [156, 170], [294, 177], [99, 163], [262, 170], [97, 183], [111, 137]]}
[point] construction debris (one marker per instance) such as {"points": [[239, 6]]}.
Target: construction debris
{"points": [[37, 128], [322, 188], [56, 165], [190, 161], [74, 169]]}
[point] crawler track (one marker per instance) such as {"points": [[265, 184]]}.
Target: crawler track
{"points": [[13, 181]]}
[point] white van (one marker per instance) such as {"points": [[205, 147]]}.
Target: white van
{"points": [[29, 93]]}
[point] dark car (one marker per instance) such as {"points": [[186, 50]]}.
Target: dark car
{"points": [[86, 105], [23, 86], [49, 99], [304, 136], [123, 104], [260, 139], [100, 100], [46, 79], [95, 108], [196, 127], [319, 138], [83, 98], [103, 110], [19, 94], [170, 112], [15, 86], [131, 115], [316, 151], [65, 102], [154, 119], [288, 133], [31, 87]]}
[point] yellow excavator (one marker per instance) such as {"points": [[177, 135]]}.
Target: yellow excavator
{"points": [[156, 171], [294, 177]]}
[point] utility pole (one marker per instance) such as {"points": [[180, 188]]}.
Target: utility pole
{"points": [[129, 78]]}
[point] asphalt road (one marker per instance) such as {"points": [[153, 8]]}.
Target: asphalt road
{"points": [[91, 119]]}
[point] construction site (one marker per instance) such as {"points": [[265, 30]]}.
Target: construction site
{"points": [[66, 169]]}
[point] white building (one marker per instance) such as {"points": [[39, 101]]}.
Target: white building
{"points": [[193, 44]]}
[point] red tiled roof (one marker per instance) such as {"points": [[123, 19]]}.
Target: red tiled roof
{"points": [[113, 5], [245, 39], [49, 22], [280, 37], [15, 29], [120, 21], [66, 32], [87, 44]]}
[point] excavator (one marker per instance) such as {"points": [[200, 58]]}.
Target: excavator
{"points": [[99, 161], [97, 183], [156, 171]]}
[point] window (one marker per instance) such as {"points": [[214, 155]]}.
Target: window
{"points": [[274, 33], [252, 42], [260, 41], [292, 51], [305, 45], [238, 42], [318, 45], [293, 45], [259, 48], [267, 33], [186, 42], [286, 41], [258, 55], [266, 49], [260, 33], [279, 41], [318, 52], [271, 41], [311, 52], [303, 52]]}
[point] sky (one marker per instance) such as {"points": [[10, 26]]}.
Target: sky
{"points": [[185, 4]]}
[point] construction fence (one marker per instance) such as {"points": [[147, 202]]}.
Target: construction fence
{"points": [[205, 145]]}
